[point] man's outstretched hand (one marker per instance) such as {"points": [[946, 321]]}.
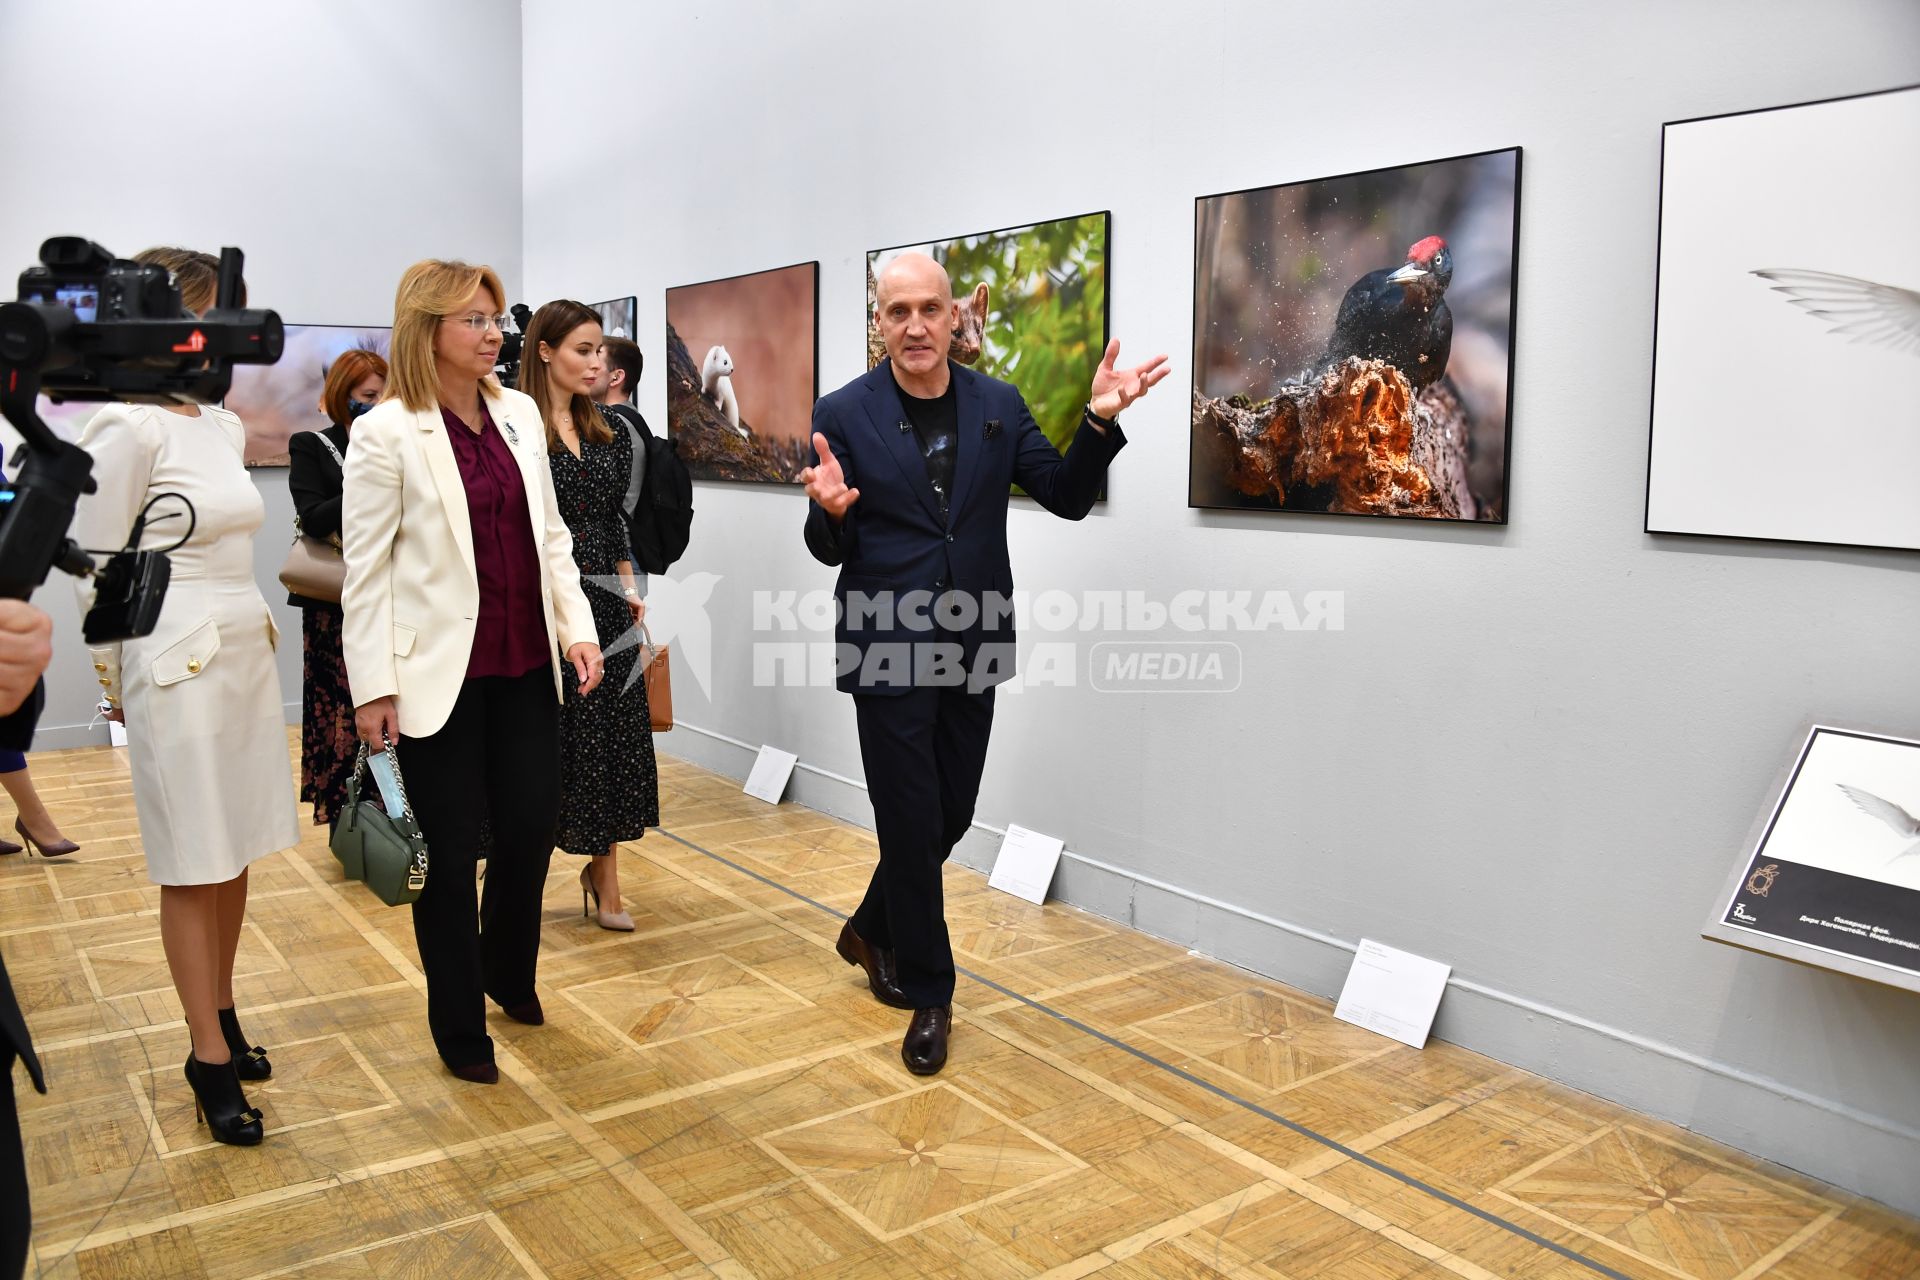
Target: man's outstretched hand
{"points": [[1115, 389], [827, 484]]}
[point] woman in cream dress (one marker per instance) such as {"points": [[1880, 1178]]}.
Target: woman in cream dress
{"points": [[200, 696]]}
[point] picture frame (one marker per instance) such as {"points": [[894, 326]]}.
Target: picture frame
{"points": [[1310, 294], [741, 409]]}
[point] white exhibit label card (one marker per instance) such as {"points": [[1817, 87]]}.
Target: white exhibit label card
{"points": [[1025, 865], [771, 769], [1393, 992]]}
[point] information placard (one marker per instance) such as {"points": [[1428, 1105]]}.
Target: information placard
{"points": [[1393, 992], [771, 769], [1026, 864], [1834, 878]]}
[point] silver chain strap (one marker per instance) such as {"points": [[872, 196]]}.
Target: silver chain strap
{"points": [[417, 875]]}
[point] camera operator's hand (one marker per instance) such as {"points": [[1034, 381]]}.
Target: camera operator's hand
{"points": [[378, 723], [26, 646]]}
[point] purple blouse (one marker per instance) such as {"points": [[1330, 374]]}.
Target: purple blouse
{"points": [[510, 634]]}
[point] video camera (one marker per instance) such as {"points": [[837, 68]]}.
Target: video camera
{"points": [[92, 327], [507, 366]]}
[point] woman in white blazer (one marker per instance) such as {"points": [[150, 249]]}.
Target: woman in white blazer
{"points": [[461, 595], [200, 696]]}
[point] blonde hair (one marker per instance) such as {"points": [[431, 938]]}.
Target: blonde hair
{"points": [[551, 324], [196, 275], [429, 292]]}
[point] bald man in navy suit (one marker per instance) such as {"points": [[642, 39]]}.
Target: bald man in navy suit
{"points": [[908, 495]]}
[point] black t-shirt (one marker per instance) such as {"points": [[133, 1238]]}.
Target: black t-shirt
{"points": [[936, 424]]}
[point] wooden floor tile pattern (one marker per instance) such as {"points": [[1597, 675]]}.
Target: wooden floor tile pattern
{"points": [[715, 1094]]}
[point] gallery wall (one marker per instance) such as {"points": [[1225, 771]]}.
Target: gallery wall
{"points": [[1533, 751], [335, 141]]}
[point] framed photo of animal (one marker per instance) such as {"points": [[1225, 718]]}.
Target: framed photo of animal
{"points": [[276, 401], [743, 369], [1032, 310], [1353, 342], [1786, 322], [618, 316], [1832, 877]]}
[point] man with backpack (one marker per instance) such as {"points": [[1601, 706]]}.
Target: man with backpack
{"points": [[659, 501]]}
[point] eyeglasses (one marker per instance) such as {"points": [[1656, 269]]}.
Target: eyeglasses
{"points": [[478, 323]]}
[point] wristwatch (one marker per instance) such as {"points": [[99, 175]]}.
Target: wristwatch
{"points": [[1098, 421]]}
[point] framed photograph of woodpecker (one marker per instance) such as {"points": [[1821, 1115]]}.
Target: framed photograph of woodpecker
{"points": [[1353, 342], [1830, 875], [1787, 325], [277, 401], [743, 369], [1031, 309]]}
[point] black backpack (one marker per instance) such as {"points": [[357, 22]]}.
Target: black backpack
{"points": [[662, 517]]}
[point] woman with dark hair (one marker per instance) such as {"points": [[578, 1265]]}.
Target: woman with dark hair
{"points": [[200, 696], [316, 470], [461, 596], [609, 786]]}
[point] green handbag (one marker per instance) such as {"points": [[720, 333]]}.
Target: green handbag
{"points": [[388, 854]]}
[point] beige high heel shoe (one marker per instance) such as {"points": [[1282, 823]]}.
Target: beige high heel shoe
{"points": [[617, 921]]}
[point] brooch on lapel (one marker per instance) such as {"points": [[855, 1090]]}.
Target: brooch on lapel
{"points": [[506, 426], [905, 427], [993, 427]]}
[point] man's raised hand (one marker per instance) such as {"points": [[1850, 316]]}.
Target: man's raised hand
{"points": [[827, 484], [1115, 389]]}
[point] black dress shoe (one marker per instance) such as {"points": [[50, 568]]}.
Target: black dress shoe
{"points": [[477, 1072], [925, 1048], [882, 979], [527, 1011], [249, 1061], [219, 1104]]}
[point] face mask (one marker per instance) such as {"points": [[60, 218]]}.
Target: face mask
{"points": [[355, 409]]}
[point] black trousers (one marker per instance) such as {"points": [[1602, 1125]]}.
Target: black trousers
{"points": [[495, 763], [924, 751], [16, 1215]]}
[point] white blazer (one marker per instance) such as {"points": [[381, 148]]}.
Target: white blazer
{"points": [[412, 592]]}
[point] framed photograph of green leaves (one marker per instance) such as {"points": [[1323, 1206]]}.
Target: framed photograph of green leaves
{"points": [[1031, 309]]}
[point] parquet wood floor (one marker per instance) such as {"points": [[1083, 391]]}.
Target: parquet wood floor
{"points": [[716, 1094]]}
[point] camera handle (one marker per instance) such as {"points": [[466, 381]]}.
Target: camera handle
{"points": [[36, 510]]}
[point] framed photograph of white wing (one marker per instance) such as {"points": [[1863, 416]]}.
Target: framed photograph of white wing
{"points": [[1787, 325], [1833, 876]]}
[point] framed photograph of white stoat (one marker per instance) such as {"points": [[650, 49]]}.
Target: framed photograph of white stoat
{"points": [[1787, 325], [743, 369], [1831, 875]]}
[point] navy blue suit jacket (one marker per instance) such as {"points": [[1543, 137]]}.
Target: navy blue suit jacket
{"points": [[892, 538]]}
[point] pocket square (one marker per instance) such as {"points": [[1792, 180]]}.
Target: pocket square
{"points": [[993, 427]]}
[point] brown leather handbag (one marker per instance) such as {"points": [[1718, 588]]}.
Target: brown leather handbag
{"points": [[659, 681], [314, 567]]}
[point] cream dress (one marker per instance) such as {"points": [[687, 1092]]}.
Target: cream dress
{"points": [[206, 734]]}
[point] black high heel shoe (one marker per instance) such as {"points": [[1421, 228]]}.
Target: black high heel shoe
{"points": [[219, 1104], [249, 1061]]}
